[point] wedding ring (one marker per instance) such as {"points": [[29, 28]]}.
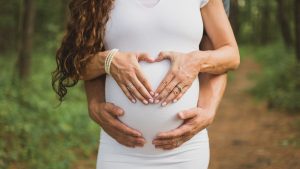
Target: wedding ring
{"points": [[129, 86], [175, 92], [179, 87], [164, 83]]}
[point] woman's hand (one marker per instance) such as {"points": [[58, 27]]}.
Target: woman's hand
{"points": [[195, 120], [126, 71], [184, 70], [106, 115]]}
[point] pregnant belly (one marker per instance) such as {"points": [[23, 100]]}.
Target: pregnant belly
{"points": [[152, 118]]}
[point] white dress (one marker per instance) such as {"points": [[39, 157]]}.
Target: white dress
{"points": [[164, 25]]}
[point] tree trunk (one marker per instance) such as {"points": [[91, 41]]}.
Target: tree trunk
{"points": [[24, 59], [265, 22], [234, 19], [297, 25], [284, 23]]}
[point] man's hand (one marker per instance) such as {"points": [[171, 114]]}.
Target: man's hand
{"points": [[195, 120], [106, 115]]}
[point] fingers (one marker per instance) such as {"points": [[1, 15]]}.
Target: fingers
{"points": [[167, 79], [174, 138], [164, 55], [132, 87], [171, 143], [126, 140], [140, 82], [142, 78], [126, 135], [173, 95], [188, 114], [125, 130], [145, 57], [127, 93], [113, 109], [181, 93], [167, 90], [184, 129]]}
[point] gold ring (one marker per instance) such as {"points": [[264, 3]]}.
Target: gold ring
{"points": [[179, 87], [164, 83], [129, 86]]}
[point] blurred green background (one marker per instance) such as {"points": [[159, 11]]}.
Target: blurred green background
{"points": [[36, 133]]}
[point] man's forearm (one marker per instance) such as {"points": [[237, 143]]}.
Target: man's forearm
{"points": [[95, 90], [212, 87]]}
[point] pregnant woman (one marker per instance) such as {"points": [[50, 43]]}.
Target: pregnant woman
{"points": [[143, 59]]}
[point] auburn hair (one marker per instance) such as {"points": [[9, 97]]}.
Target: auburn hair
{"points": [[83, 38]]}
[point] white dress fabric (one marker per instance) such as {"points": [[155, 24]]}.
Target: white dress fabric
{"points": [[141, 26]]}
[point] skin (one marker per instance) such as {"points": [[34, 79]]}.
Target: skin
{"points": [[212, 86]]}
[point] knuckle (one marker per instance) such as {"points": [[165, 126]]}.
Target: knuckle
{"points": [[106, 106], [139, 87], [168, 89]]}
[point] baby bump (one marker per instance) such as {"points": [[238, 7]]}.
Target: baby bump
{"points": [[152, 118]]}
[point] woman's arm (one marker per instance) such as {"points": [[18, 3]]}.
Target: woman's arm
{"points": [[94, 66], [186, 66], [225, 54]]}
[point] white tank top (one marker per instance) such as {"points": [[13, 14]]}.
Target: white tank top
{"points": [[138, 25]]}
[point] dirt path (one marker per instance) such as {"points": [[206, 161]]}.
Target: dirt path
{"points": [[245, 135]]}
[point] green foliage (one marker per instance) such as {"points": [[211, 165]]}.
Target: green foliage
{"points": [[35, 133], [279, 80]]}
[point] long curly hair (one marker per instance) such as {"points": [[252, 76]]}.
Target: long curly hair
{"points": [[83, 38]]}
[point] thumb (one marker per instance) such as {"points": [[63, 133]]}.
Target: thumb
{"points": [[145, 57], [162, 56], [187, 114], [113, 109]]}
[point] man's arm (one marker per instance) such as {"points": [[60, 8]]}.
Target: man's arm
{"points": [[212, 86], [105, 114]]}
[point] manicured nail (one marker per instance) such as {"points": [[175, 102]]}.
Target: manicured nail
{"points": [[145, 101], [151, 100], [156, 94], [152, 93], [181, 115], [164, 104], [175, 100], [156, 101], [133, 101]]}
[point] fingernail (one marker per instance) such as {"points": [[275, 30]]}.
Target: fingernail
{"points": [[152, 93], [156, 94], [175, 100], [145, 101], [133, 101], [156, 101], [151, 100], [164, 104]]}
